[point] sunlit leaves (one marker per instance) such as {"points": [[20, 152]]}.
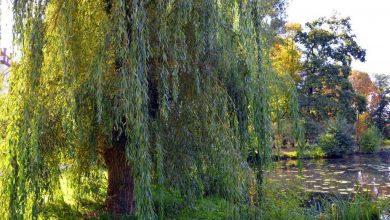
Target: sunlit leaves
{"points": [[188, 83]]}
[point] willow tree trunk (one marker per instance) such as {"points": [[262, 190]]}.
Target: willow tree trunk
{"points": [[120, 193]]}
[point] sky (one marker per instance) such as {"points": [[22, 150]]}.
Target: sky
{"points": [[370, 21], [6, 24]]}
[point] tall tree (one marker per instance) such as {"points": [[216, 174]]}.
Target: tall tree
{"points": [[381, 114], [328, 48], [155, 92]]}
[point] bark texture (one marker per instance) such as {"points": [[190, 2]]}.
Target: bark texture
{"points": [[120, 192]]}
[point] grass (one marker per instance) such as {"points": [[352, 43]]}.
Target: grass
{"points": [[207, 208], [60, 210]]}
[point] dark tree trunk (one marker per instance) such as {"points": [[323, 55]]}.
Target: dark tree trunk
{"points": [[120, 193]]}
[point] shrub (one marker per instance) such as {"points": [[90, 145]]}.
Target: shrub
{"points": [[313, 152], [371, 140], [337, 139]]}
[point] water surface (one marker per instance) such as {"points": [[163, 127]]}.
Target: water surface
{"points": [[368, 172]]}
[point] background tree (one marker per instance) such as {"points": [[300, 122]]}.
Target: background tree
{"points": [[285, 57], [362, 83], [365, 88], [328, 48]]}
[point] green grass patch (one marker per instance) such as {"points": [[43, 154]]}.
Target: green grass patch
{"points": [[206, 208]]}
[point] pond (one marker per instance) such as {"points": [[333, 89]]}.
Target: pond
{"points": [[368, 172]]}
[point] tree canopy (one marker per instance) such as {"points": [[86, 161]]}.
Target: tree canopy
{"points": [[329, 46], [161, 94]]}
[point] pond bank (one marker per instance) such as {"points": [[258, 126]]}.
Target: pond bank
{"points": [[318, 153]]}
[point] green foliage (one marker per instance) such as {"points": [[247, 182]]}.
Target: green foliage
{"points": [[329, 144], [283, 202], [371, 140], [285, 53], [315, 152], [188, 85], [359, 207], [3, 153], [210, 208], [313, 129], [185, 83], [280, 202], [337, 140], [3, 120], [329, 46], [60, 210], [307, 153]]}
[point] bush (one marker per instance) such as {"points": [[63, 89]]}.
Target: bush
{"points": [[337, 139], [313, 152], [371, 140]]}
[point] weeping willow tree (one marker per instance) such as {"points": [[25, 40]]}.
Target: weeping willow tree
{"points": [[157, 93]]}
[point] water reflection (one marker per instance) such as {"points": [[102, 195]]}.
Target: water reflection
{"points": [[369, 173]]}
